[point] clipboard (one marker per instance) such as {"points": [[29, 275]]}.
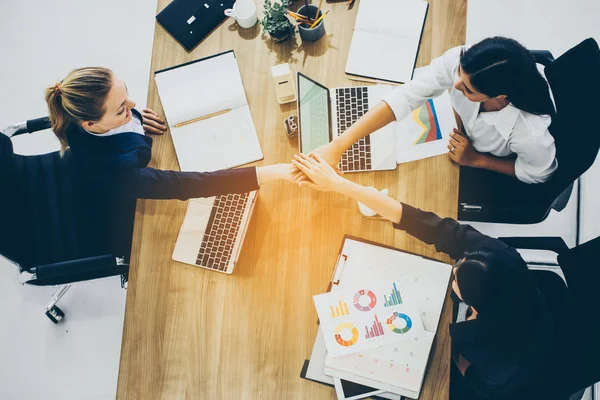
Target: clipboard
{"points": [[348, 269]]}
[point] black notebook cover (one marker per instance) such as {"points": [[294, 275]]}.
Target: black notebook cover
{"points": [[190, 21]]}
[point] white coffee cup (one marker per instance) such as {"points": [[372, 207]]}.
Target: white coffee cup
{"points": [[244, 13], [366, 211]]}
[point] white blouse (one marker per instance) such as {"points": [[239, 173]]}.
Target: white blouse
{"points": [[501, 133]]}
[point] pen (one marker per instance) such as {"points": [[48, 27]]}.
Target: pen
{"points": [[191, 121]]}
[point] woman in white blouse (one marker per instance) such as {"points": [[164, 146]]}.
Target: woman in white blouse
{"points": [[503, 103]]}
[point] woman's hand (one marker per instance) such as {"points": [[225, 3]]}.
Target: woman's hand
{"points": [[152, 122], [461, 150], [318, 170], [331, 153]]}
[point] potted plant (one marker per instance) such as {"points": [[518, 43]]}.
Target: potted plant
{"points": [[275, 20]]}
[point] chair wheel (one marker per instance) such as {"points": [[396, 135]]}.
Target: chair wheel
{"points": [[55, 314]]}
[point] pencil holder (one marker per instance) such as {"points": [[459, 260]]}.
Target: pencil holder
{"points": [[314, 34]]}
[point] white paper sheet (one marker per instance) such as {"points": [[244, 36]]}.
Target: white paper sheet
{"points": [[426, 131], [367, 316], [388, 31]]}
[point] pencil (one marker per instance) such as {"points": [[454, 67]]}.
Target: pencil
{"points": [[319, 20], [318, 9], [191, 121], [300, 16]]}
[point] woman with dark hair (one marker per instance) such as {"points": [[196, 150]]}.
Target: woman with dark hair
{"points": [[501, 99], [501, 349]]}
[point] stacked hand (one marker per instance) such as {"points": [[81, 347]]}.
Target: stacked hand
{"points": [[316, 172], [329, 153]]}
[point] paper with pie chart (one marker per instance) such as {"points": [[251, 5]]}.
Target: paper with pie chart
{"points": [[425, 131], [368, 317]]}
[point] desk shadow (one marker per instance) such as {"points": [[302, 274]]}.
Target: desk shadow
{"points": [[316, 49], [285, 50], [245, 33]]}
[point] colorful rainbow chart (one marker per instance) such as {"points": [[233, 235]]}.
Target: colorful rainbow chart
{"points": [[391, 322], [394, 300], [372, 300], [375, 330], [338, 334], [426, 117], [340, 310]]}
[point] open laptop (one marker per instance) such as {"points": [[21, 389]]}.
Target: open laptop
{"points": [[325, 113], [213, 231]]}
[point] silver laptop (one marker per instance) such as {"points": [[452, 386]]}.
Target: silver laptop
{"points": [[213, 231], [325, 113]]}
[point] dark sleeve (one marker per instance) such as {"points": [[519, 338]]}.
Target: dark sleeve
{"points": [[150, 183], [446, 234]]}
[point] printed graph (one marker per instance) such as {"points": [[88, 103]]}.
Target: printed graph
{"points": [[365, 300], [394, 300], [394, 323], [375, 330], [426, 117], [340, 310], [344, 329]]}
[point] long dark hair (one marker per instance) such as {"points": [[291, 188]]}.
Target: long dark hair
{"points": [[500, 65], [508, 304]]}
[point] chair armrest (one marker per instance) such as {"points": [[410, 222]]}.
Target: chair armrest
{"points": [[83, 269], [38, 124], [550, 243], [543, 57]]}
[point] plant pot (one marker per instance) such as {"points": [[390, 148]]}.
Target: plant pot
{"points": [[280, 36]]}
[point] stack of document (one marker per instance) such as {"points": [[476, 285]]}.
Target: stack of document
{"points": [[377, 325]]}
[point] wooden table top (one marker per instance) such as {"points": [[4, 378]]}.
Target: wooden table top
{"points": [[191, 333]]}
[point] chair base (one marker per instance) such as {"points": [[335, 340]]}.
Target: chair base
{"points": [[55, 314]]}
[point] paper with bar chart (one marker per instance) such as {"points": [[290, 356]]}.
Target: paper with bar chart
{"points": [[425, 131], [365, 318]]}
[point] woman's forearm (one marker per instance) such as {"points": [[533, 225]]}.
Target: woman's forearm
{"points": [[271, 173], [376, 118], [378, 202], [501, 165]]}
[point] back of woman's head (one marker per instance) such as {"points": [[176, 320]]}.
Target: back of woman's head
{"points": [[80, 97], [502, 66], [500, 289]]}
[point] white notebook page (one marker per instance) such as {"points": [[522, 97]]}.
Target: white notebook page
{"points": [[388, 31]]}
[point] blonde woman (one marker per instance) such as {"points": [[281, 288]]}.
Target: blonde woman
{"points": [[92, 115]]}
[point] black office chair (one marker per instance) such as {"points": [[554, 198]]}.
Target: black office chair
{"points": [[572, 364], [44, 221], [486, 196]]}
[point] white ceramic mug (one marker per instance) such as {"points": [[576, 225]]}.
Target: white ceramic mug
{"points": [[244, 13]]}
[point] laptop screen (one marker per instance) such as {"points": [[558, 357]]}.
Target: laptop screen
{"points": [[313, 114]]}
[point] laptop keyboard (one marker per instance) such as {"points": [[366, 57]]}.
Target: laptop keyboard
{"points": [[353, 103], [222, 230]]}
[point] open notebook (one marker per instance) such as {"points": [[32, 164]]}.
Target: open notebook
{"points": [[201, 88], [388, 31]]}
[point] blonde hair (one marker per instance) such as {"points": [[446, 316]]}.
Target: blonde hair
{"points": [[80, 97]]}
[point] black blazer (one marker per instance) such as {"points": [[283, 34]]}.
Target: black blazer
{"points": [[495, 369], [112, 174]]}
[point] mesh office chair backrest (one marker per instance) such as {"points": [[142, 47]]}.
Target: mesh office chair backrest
{"points": [[577, 347], [575, 81], [42, 213]]}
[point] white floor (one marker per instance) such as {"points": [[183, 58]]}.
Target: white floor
{"points": [[40, 42]]}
